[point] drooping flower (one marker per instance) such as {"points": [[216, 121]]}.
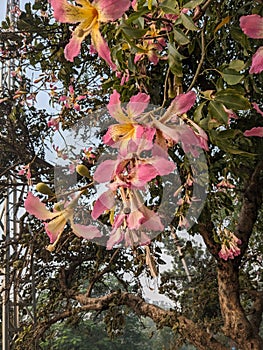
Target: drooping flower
{"points": [[190, 134], [55, 221], [229, 247], [89, 16], [130, 225], [71, 101], [128, 131], [149, 49]]}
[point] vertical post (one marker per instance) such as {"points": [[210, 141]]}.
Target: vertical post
{"points": [[6, 278]]}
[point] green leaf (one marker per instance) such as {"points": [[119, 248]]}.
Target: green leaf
{"points": [[134, 16], [175, 60], [180, 37], [188, 22], [237, 65], [133, 33], [216, 111], [231, 76], [232, 99], [192, 4], [198, 113], [170, 6]]}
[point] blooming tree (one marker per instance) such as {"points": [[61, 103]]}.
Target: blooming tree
{"points": [[177, 150]]}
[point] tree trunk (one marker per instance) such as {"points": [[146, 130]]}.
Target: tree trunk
{"points": [[236, 324]]}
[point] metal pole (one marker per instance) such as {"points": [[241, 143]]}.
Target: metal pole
{"points": [[9, 226], [6, 278]]}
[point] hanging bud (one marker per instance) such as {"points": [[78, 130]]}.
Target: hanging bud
{"points": [[43, 188], [82, 170]]}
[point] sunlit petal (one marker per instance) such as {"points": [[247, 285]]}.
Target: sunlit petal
{"points": [[87, 232], [137, 104], [101, 46], [104, 202], [55, 227], [35, 207]]}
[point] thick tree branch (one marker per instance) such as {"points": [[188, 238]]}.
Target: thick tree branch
{"points": [[188, 329]]}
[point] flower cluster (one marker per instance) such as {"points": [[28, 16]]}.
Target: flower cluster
{"points": [[140, 134], [229, 245], [137, 133]]}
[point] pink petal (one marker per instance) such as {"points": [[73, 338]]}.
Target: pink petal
{"points": [[115, 110], [173, 133], [153, 57], [107, 138], [137, 104], [87, 232], [72, 49], [104, 202], [143, 136], [256, 106], [183, 102], [61, 7], [101, 46], [257, 62], [151, 220], [252, 26], [144, 173], [105, 171], [115, 238], [110, 10], [118, 220], [134, 219], [257, 131], [145, 239], [55, 227], [63, 98], [35, 207], [162, 165]]}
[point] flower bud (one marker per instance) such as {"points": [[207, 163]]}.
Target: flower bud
{"points": [[44, 189], [82, 170]]}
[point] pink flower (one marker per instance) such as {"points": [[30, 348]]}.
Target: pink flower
{"points": [[130, 224], [226, 184], [149, 49], [257, 61], [55, 221], [189, 135], [25, 170], [252, 26], [128, 132], [71, 101], [89, 16], [229, 248], [53, 123], [256, 131]]}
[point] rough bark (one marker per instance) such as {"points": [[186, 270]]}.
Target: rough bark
{"points": [[237, 325]]}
